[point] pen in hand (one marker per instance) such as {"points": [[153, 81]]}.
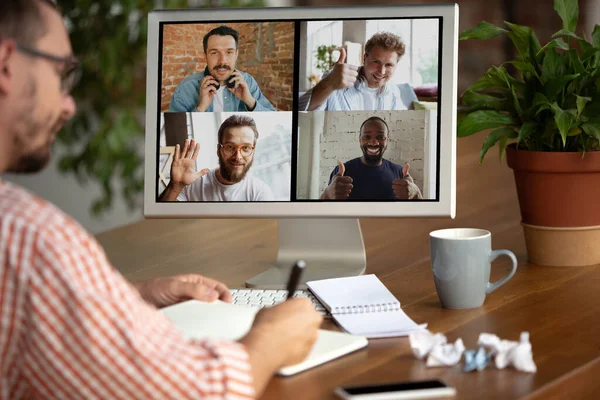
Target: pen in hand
{"points": [[295, 278]]}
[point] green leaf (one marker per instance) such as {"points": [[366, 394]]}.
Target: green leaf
{"points": [[540, 99], [592, 129], [520, 36], [581, 102], [576, 62], [526, 130], [553, 44], [479, 100], [564, 121], [478, 121], [502, 146], [565, 32], [516, 103], [492, 79], [483, 31], [510, 82], [568, 10], [524, 67], [493, 138], [596, 37], [588, 51], [554, 86], [552, 65]]}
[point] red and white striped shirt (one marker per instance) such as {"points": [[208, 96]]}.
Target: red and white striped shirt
{"points": [[71, 327]]}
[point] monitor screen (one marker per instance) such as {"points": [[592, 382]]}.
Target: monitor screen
{"points": [[299, 112]]}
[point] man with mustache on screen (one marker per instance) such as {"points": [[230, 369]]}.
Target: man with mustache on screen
{"points": [[371, 177], [350, 88], [220, 87], [230, 181]]}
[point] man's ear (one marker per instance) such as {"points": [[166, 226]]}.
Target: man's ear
{"points": [[7, 53]]}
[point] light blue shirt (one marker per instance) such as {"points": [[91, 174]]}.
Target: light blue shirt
{"points": [[187, 96], [390, 97]]}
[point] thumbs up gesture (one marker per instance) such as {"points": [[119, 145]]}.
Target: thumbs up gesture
{"points": [[405, 188], [343, 75], [340, 186]]}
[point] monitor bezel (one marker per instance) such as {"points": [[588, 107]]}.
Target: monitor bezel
{"points": [[444, 206]]}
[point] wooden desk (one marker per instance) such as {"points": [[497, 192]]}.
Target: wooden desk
{"points": [[560, 307]]}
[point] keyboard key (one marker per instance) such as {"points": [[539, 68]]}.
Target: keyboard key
{"points": [[259, 298]]}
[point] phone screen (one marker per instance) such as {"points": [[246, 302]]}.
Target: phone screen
{"points": [[395, 387]]}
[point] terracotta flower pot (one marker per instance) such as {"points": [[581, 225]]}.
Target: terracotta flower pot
{"points": [[559, 197]]}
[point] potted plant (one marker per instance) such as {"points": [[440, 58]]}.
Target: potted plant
{"points": [[546, 119]]}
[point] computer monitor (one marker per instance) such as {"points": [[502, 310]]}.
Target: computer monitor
{"points": [[314, 116]]}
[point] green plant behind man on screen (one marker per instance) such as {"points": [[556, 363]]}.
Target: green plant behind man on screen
{"points": [[104, 142], [554, 102]]}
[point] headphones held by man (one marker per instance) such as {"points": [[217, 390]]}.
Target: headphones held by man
{"points": [[228, 81]]}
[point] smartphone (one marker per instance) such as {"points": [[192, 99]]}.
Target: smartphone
{"points": [[228, 81], [397, 391]]}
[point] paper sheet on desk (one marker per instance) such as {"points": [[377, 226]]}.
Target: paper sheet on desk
{"points": [[199, 320], [378, 324]]}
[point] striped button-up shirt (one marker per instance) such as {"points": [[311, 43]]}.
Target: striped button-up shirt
{"points": [[71, 327]]}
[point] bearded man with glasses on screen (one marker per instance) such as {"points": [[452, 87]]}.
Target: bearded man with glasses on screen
{"points": [[230, 181]]}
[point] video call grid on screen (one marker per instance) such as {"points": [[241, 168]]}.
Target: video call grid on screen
{"points": [[284, 158]]}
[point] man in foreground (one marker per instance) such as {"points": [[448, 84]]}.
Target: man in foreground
{"points": [[231, 181], [71, 326], [371, 177]]}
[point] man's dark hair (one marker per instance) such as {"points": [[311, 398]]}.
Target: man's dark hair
{"points": [[374, 118], [237, 121], [222, 30], [22, 20]]}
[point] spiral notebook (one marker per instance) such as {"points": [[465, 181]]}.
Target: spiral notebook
{"points": [[362, 305], [197, 319]]}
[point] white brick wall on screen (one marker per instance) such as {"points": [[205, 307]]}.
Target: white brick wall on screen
{"points": [[406, 142]]}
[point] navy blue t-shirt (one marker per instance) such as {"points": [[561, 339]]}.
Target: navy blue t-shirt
{"points": [[370, 183]]}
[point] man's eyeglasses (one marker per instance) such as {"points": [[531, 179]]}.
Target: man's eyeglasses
{"points": [[230, 149], [71, 72]]}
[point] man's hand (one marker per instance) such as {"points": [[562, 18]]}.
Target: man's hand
{"points": [[342, 75], [183, 167], [207, 92], [340, 187], [241, 90], [164, 292], [280, 335], [405, 188]]}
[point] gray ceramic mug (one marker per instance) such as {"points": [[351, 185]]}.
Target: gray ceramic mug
{"points": [[461, 259]]}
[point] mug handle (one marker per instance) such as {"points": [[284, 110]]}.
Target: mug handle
{"points": [[493, 255]]}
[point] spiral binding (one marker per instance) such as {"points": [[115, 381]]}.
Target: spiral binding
{"points": [[361, 309]]}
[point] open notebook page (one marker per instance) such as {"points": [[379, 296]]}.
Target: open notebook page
{"points": [[198, 320]]}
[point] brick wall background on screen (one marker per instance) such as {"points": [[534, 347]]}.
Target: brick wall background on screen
{"points": [[406, 142], [266, 51]]}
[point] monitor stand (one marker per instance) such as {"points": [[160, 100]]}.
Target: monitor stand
{"points": [[331, 248]]}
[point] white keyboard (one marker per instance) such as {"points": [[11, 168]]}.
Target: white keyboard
{"points": [[269, 297]]}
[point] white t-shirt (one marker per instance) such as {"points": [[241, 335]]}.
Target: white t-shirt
{"points": [[208, 188], [370, 98], [218, 103]]}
